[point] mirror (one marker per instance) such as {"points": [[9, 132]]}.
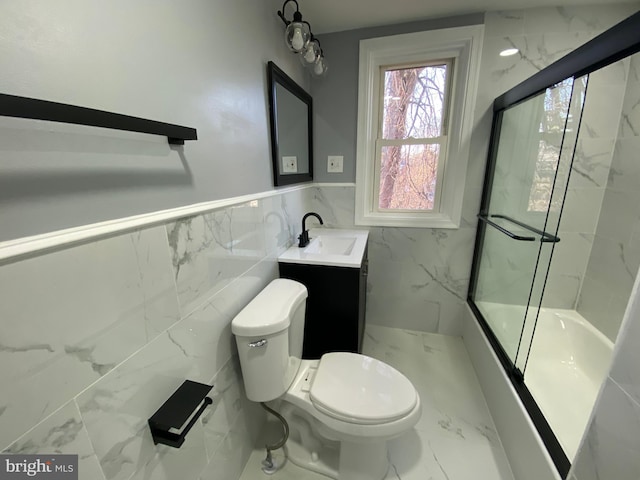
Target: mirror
{"points": [[290, 111]]}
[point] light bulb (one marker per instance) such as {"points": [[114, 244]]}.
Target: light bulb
{"points": [[297, 36], [296, 40], [320, 67], [310, 54]]}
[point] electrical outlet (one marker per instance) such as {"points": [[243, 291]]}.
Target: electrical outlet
{"points": [[289, 164], [334, 163]]}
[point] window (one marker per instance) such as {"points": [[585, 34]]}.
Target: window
{"points": [[415, 103], [412, 126]]}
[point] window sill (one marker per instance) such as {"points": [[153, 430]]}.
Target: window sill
{"points": [[435, 220]]}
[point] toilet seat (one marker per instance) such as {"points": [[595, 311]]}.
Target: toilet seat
{"points": [[359, 389]]}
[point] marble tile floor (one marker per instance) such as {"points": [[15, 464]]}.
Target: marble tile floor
{"points": [[454, 440]]}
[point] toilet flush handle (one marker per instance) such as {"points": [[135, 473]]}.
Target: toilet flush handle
{"points": [[259, 343]]}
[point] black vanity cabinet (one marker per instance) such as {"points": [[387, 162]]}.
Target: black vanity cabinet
{"points": [[336, 306]]}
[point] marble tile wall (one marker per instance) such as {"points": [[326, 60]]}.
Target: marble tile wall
{"points": [[96, 337], [417, 277], [586, 189], [586, 186], [615, 256], [611, 443]]}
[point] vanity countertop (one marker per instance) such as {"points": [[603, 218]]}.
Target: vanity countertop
{"points": [[331, 247]]}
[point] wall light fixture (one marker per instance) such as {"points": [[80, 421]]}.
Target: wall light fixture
{"points": [[301, 41]]}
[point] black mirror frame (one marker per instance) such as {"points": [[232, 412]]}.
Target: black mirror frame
{"points": [[277, 76]]}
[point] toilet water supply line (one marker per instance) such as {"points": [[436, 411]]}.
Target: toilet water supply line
{"points": [[268, 464]]}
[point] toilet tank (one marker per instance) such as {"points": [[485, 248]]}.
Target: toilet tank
{"points": [[269, 332]]}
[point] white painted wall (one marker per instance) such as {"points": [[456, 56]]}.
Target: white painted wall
{"points": [[197, 63]]}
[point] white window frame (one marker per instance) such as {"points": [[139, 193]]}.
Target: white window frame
{"points": [[463, 45]]}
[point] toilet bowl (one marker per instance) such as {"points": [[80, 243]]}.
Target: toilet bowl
{"points": [[341, 409]]}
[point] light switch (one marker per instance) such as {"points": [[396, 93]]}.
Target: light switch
{"points": [[289, 164], [334, 163]]}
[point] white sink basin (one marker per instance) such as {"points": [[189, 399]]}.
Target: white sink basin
{"points": [[328, 246], [331, 245]]}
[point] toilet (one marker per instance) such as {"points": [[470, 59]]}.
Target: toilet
{"points": [[341, 409]]}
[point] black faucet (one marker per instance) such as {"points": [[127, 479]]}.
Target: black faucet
{"points": [[304, 236]]}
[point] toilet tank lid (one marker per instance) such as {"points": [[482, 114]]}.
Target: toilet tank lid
{"points": [[270, 311]]}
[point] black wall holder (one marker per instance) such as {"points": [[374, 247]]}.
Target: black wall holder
{"points": [[176, 411], [23, 107]]}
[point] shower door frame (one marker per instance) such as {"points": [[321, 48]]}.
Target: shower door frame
{"points": [[620, 41]]}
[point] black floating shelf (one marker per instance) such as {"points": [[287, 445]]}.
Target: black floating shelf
{"points": [[176, 411], [22, 107]]}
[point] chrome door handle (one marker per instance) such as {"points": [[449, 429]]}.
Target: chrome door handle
{"points": [[259, 343]]}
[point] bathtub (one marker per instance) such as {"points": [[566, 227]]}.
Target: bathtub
{"points": [[568, 361]]}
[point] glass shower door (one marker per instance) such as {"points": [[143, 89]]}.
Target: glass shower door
{"points": [[532, 158]]}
